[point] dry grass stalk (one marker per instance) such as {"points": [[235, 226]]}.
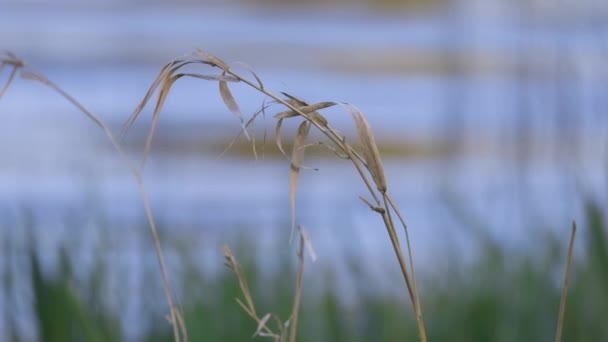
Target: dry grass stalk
{"points": [[562, 304], [297, 157], [371, 160], [249, 307], [416, 297], [296, 108], [369, 147], [27, 72], [231, 104], [297, 298]]}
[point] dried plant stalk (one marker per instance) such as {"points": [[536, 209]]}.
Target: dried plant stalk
{"points": [[248, 306], [27, 72], [295, 108], [297, 157], [293, 321]]}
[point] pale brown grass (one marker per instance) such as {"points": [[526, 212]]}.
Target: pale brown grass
{"points": [[368, 164]]}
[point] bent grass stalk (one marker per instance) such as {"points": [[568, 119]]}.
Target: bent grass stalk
{"points": [[368, 164], [370, 160], [27, 72]]}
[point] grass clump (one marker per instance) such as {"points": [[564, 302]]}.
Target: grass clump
{"points": [[363, 154]]}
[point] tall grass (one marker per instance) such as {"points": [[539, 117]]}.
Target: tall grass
{"points": [[366, 159], [28, 72], [362, 155], [500, 296]]}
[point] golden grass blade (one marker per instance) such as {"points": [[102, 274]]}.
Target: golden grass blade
{"points": [[160, 101], [249, 308], [166, 72], [230, 102], [168, 79], [277, 137], [369, 147], [296, 101], [226, 78], [297, 157], [208, 58], [162, 74], [285, 115], [415, 297], [293, 321], [310, 109], [234, 265], [562, 304]]}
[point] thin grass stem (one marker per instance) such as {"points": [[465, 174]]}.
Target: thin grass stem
{"points": [[298, 293], [178, 329]]}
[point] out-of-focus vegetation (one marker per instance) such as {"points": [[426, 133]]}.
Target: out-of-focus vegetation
{"points": [[502, 296]]}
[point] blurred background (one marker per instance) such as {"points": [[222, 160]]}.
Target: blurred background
{"points": [[491, 117]]}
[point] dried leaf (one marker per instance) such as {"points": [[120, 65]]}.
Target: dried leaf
{"points": [[162, 75], [369, 147], [166, 72], [296, 100], [232, 105], [277, 137], [226, 78], [308, 110], [160, 101], [297, 157], [208, 58]]}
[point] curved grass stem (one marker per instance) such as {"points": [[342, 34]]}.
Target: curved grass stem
{"points": [[386, 203], [179, 330]]}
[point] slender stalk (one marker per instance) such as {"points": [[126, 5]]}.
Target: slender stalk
{"points": [[417, 306], [356, 159], [562, 304], [397, 248], [33, 74], [298, 295]]}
